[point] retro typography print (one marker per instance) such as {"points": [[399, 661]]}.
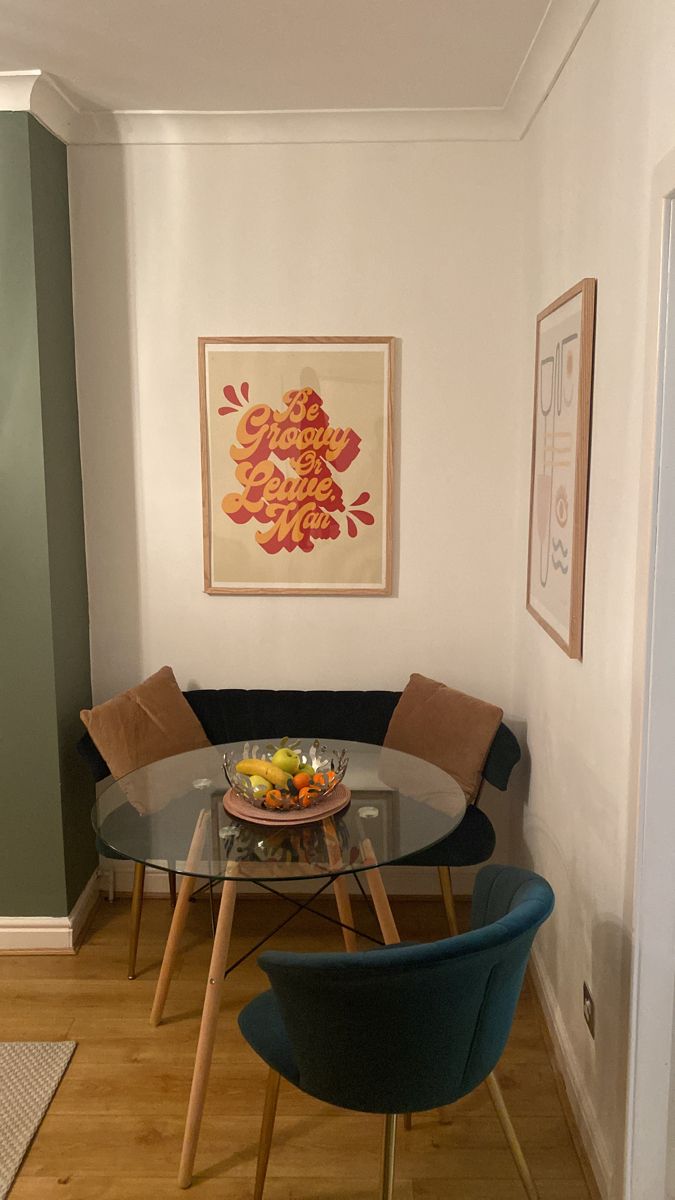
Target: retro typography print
{"points": [[560, 460], [296, 465]]}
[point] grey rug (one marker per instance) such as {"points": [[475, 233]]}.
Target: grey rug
{"points": [[30, 1073]]}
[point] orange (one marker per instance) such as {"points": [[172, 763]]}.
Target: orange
{"points": [[301, 780]]}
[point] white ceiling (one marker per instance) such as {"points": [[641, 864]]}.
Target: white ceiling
{"points": [[253, 55]]}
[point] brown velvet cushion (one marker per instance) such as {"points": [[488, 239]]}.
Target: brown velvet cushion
{"points": [[149, 722], [448, 728]]}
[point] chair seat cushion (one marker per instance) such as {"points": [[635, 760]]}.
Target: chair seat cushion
{"points": [[472, 842], [261, 1024]]}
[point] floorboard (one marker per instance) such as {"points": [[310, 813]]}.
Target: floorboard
{"points": [[114, 1129]]}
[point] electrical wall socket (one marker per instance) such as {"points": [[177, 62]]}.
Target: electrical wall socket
{"points": [[589, 1010]]}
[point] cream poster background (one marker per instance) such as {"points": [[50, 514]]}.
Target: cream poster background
{"points": [[353, 381]]}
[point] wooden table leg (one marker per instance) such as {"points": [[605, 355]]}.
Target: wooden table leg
{"points": [[342, 897], [380, 899], [207, 1032], [135, 920], [344, 907], [180, 912]]}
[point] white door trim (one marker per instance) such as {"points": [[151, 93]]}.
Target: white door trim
{"points": [[653, 991]]}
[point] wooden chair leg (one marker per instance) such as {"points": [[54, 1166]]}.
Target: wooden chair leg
{"points": [[136, 910], [266, 1131], [172, 888], [448, 899], [388, 1157], [514, 1144]]}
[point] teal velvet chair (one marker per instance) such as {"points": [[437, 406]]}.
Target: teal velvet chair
{"points": [[402, 1029]]}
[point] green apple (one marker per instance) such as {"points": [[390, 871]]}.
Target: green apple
{"points": [[287, 760], [259, 785]]}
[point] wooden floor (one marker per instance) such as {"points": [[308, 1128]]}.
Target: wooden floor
{"points": [[114, 1129]]}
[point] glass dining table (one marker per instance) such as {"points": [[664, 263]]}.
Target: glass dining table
{"points": [[170, 815]]}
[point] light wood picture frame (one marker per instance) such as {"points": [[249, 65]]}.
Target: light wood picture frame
{"points": [[561, 433], [296, 451]]}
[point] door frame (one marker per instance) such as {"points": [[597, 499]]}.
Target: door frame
{"points": [[653, 924]]}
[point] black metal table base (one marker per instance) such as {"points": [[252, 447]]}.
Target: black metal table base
{"points": [[298, 907]]}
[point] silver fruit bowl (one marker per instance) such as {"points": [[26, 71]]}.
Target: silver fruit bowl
{"points": [[277, 785]]}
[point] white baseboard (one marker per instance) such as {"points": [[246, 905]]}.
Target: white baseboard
{"points": [[568, 1065], [49, 935], [399, 881]]}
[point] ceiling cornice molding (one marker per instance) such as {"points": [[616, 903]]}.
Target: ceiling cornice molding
{"points": [[552, 48], [15, 90], [277, 128], [558, 34], [39, 94]]}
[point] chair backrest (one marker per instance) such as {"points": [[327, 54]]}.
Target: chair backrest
{"points": [[502, 757], [258, 714], [412, 1027]]}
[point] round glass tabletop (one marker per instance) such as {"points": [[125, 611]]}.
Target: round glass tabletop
{"points": [[170, 815]]}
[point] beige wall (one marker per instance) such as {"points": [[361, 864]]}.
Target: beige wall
{"points": [[415, 241], [589, 161]]}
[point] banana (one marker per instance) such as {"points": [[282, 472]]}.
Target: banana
{"points": [[260, 766]]}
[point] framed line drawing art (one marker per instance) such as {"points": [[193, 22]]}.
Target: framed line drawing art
{"points": [[560, 465], [296, 465]]}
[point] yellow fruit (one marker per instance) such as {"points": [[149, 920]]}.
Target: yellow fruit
{"points": [[260, 766]]}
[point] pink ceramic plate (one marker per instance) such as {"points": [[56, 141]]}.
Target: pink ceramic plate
{"points": [[326, 807]]}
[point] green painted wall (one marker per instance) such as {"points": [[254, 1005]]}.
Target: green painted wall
{"points": [[46, 845], [63, 480]]}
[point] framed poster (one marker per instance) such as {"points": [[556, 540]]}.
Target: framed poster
{"points": [[296, 465], [560, 462]]}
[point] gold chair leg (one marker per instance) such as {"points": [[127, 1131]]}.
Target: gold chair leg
{"points": [[448, 899], [172, 888], [388, 1157], [136, 909], [266, 1131], [514, 1145]]}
